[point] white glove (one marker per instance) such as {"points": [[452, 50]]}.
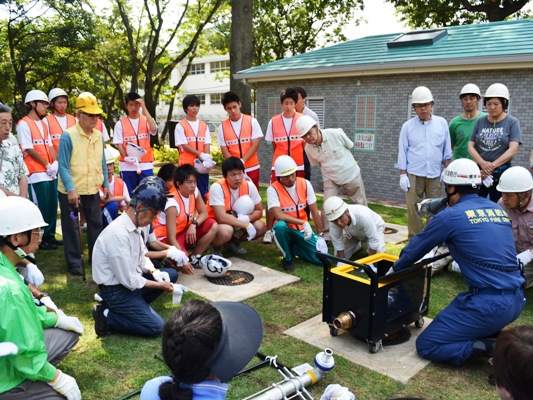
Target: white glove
{"points": [[455, 267], [404, 182], [161, 276], [48, 302], [525, 257], [337, 392], [8, 348], [308, 231], [130, 159], [243, 217], [209, 163], [179, 289], [35, 276], [177, 255], [488, 181], [69, 324], [205, 157], [67, 386], [321, 245], [251, 231], [54, 167]]}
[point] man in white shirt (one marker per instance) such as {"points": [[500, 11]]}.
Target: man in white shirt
{"points": [[353, 225], [303, 109], [233, 227]]}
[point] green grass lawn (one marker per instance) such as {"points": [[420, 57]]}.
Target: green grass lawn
{"points": [[111, 367]]}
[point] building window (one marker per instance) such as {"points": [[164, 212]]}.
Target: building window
{"points": [[201, 97], [365, 122], [216, 98], [217, 66], [197, 69], [318, 105]]}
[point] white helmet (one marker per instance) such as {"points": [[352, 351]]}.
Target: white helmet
{"points": [[19, 215], [35, 95], [135, 151], [462, 172], [515, 180], [109, 156], [470, 88], [244, 205], [56, 92], [284, 166], [214, 266], [497, 90], [421, 95], [334, 207], [304, 124]]}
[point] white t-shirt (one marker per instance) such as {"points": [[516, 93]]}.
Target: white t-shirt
{"points": [[179, 133], [24, 137], [287, 122], [118, 138], [172, 202], [216, 194], [273, 198]]}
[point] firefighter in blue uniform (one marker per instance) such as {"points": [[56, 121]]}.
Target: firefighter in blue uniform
{"points": [[480, 238]]}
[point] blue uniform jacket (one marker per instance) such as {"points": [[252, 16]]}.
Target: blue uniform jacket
{"points": [[479, 235]]}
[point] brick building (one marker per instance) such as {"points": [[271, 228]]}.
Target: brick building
{"points": [[364, 87]]}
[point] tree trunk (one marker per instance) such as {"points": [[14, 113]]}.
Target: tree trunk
{"points": [[241, 49]]}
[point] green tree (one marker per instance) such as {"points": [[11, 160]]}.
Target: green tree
{"points": [[438, 13]]}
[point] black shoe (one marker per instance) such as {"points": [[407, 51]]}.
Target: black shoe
{"points": [[483, 347], [287, 265], [75, 271], [53, 240], [492, 380], [100, 321], [46, 245]]}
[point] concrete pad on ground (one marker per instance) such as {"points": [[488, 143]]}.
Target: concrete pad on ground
{"points": [[396, 237], [399, 362], [265, 280]]}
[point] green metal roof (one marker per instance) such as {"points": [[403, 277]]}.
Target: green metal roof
{"points": [[487, 43]]}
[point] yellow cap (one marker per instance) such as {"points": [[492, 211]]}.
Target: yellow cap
{"points": [[87, 103]]}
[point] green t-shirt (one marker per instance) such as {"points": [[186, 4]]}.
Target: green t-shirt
{"points": [[460, 131]]}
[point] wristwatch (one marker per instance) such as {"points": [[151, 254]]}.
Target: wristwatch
{"points": [[43, 294], [195, 223]]}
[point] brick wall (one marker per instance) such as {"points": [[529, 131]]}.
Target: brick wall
{"points": [[377, 167]]}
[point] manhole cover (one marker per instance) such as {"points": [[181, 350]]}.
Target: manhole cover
{"points": [[233, 278], [389, 231]]}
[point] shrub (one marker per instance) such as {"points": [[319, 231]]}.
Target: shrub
{"points": [[165, 154]]}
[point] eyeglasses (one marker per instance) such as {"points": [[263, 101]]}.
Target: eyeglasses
{"points": [[89, 115], [40, 232], [425, 105]]}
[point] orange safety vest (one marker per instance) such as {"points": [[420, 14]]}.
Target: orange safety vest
{"points": [[238, 146], [291, 143], [141, 138], [118, 188], [198, 142], [243, 190], [183, 220], [39, 145], [287, 204], [56, 130]]}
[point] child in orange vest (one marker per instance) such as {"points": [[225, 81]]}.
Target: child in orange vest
{"points": [[119, 197]]}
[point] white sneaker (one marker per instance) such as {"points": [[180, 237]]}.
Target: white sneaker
{"points": [[267, 238]]}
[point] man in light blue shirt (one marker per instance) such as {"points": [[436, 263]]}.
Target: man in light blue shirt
{"points": [[423, 149]]}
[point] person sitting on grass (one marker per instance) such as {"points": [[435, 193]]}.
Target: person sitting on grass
{"points": [[166, 173], [119, 197], [224, 193], [205, 345], [287, 200], [185, 223]]}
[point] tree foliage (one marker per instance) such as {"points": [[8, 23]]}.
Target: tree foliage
{"points": [[439, 13]]}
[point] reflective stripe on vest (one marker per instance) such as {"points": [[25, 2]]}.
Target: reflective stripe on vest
{"points": [[197, 142], [290, 144], [39, 145], [118, 189], [238, 146], [243, 189], [56, 130], [141, 138], [288, 205], [183, 219]]}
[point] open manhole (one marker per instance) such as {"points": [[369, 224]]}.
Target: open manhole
{"points": [[390, 231], [233, 278]]}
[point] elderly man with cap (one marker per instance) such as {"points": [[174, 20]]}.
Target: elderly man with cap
{"points": [[41, 159], [331, 149], [127, 279], [423, 148], [462, 125], [352, 225], [42, 337], [516, 185], [494, 299], [82, 170], [287, 199]]}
